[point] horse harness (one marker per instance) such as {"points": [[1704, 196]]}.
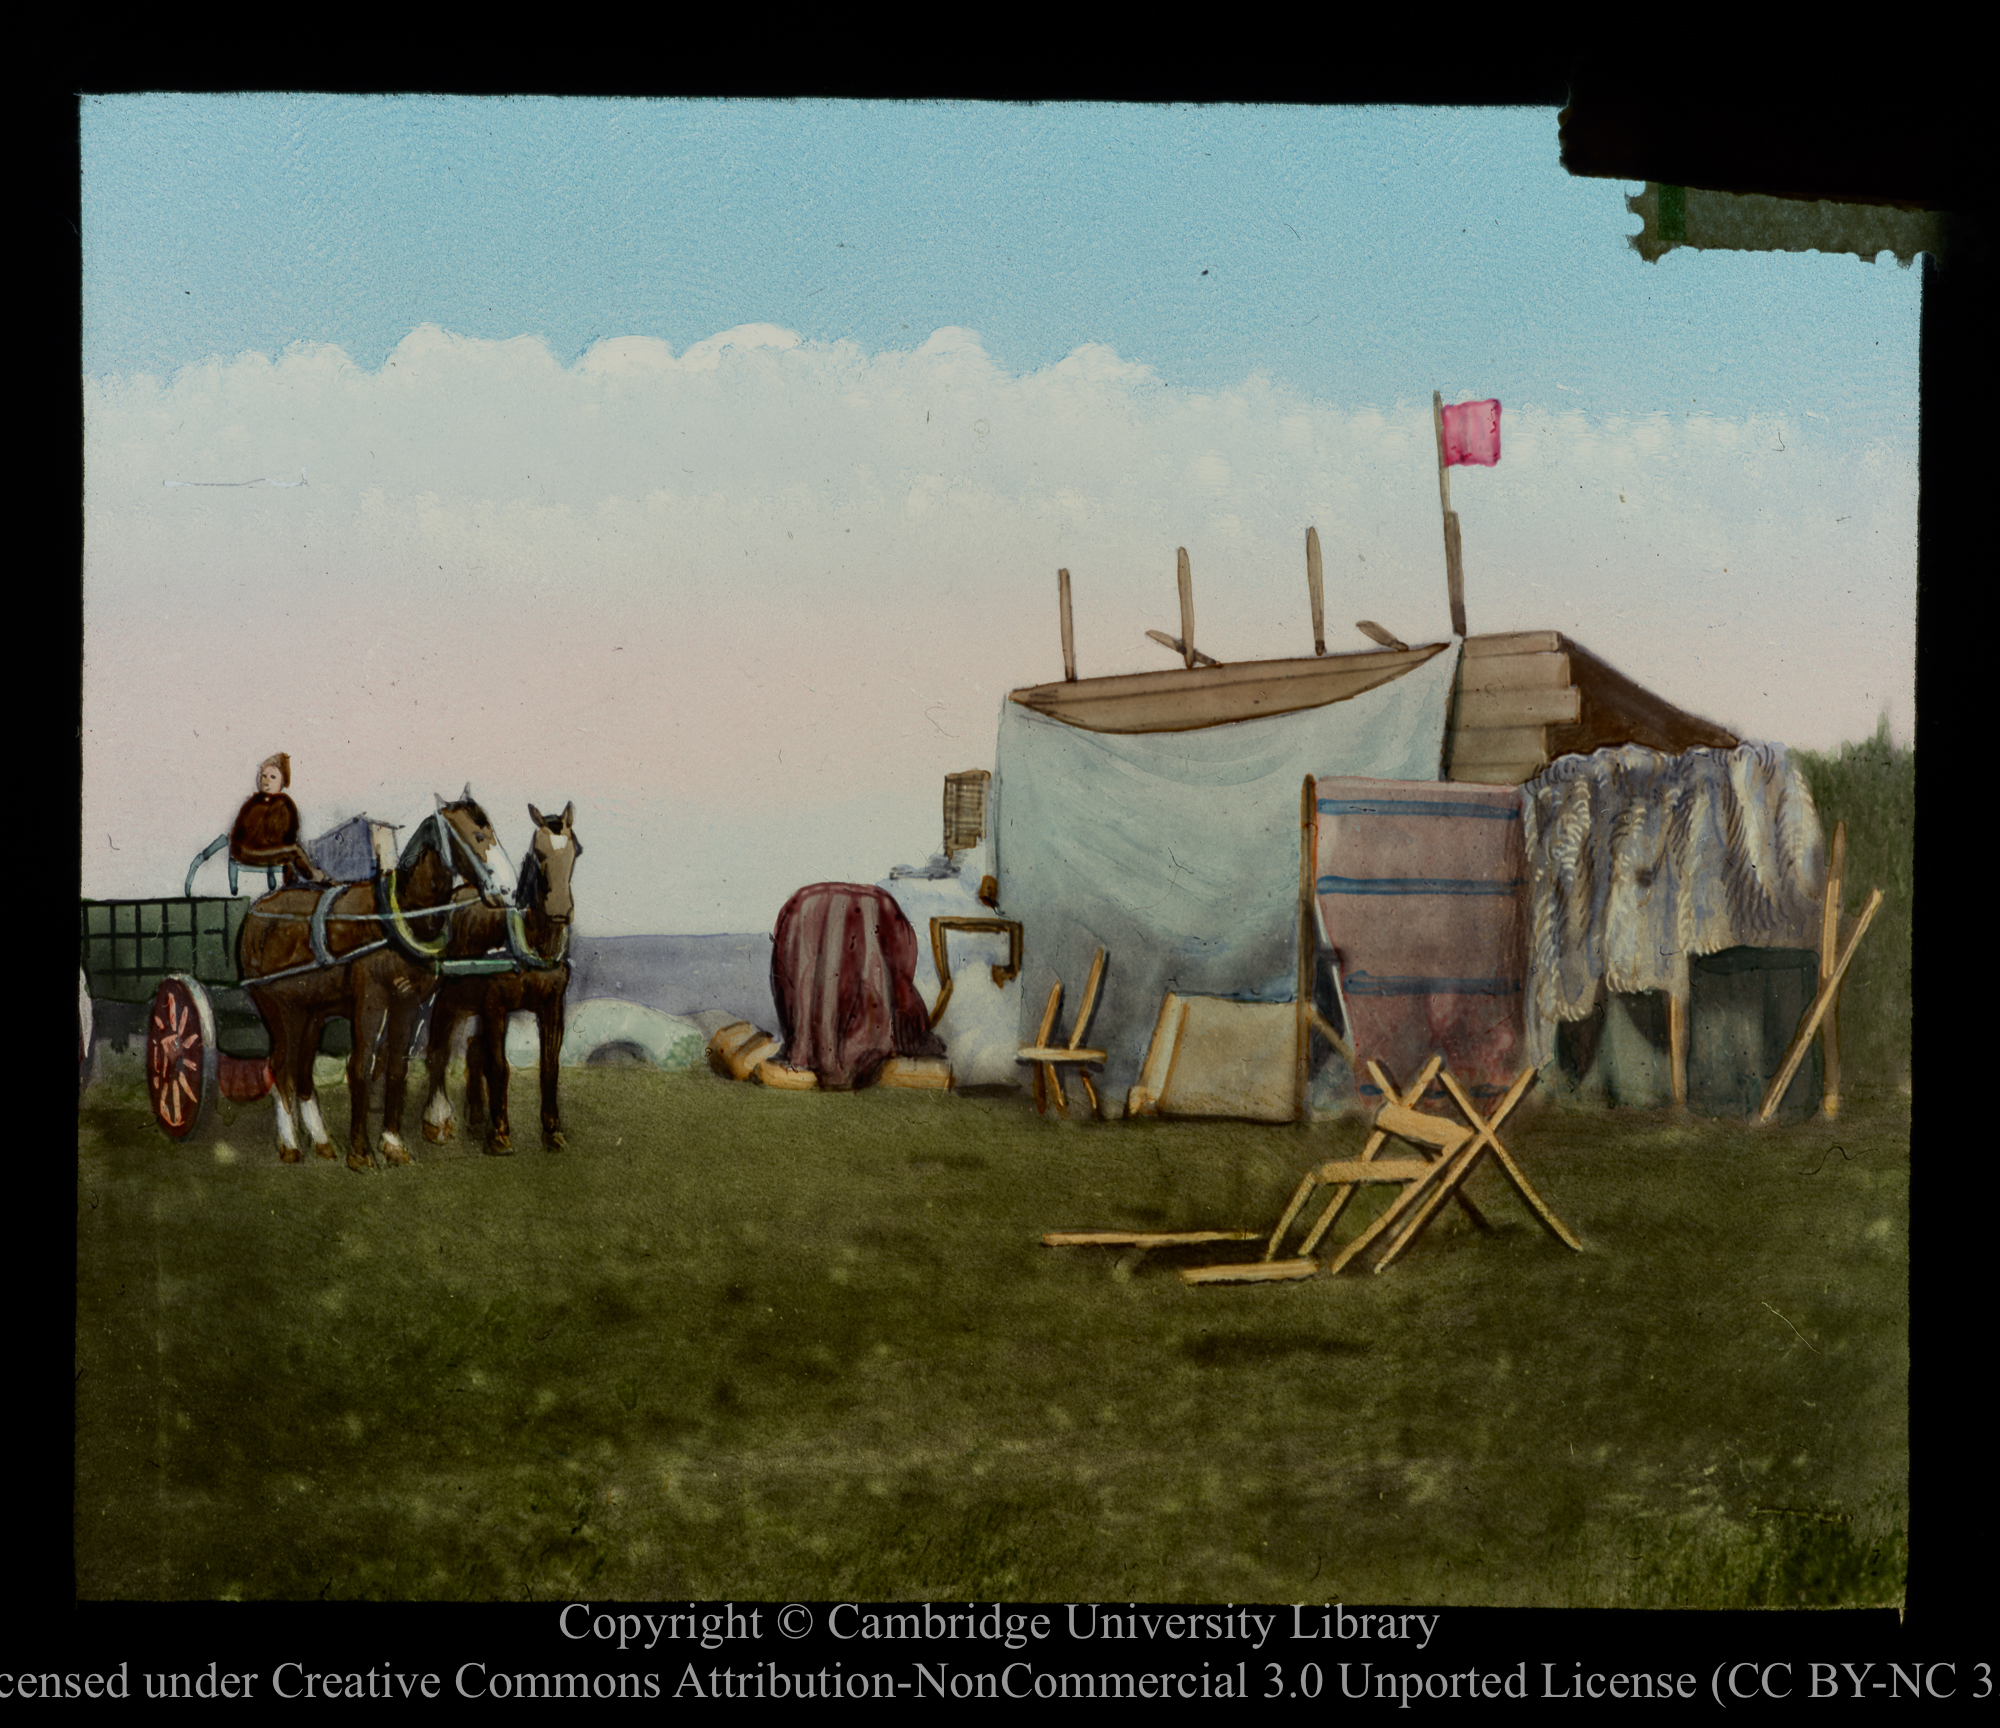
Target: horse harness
{"points": [[520, 956]]}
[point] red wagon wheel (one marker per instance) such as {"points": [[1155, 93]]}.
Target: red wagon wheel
{"points": [[181, 1055]]}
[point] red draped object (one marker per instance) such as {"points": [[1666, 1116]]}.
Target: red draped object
{"points": [[843, 975]]}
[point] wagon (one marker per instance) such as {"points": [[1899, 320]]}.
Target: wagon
{"points": [[178, 957]]}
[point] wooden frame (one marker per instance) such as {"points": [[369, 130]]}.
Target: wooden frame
{"points": [[1426, 1184], [1822, 1004], [1008, 927], [1048, 1086]]}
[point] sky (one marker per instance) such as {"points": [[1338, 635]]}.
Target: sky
{"points": [[708, 464]]}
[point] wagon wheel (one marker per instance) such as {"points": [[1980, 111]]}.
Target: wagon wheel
{"points": [[181, 1055]]}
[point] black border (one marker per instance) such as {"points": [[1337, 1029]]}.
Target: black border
{"points": [[1657, 110]]}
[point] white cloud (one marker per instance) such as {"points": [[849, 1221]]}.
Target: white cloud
{"points": [[770, 575]]}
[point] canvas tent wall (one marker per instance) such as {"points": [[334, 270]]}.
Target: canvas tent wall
{"points": [[1178, 852]]}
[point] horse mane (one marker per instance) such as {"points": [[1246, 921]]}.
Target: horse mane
{"points": [[422, 841], [528, 889]]}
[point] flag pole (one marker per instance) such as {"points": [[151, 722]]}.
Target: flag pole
{"points": [[1454, 557]]}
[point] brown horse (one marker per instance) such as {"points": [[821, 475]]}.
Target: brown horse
{"points": [[367, 953], [536, 936]]}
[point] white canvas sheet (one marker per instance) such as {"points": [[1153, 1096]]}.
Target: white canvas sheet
{"points": [[1178, 852]]}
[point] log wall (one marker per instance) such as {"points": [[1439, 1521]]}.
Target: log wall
{"points": [[1523, 699]]}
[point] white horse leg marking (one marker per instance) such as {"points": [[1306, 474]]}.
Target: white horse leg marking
{"points": [[309, 1115], [287, 1136], [392, 1143], [438, 1111]]}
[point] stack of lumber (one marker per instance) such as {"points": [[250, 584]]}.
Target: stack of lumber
{"points": [[1523, 699]]}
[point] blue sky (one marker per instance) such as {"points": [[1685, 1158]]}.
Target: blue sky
{"points": [[1363, 255], [766, 425]]}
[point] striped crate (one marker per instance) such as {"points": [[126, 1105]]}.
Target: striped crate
{"points": [[1423, 892]]}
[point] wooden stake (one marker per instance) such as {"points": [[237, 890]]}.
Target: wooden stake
{"points": [[1817, 1012], [1187, 609], [1380, 637], [1324, 1027], [1046, 1078], [1677, 1046], [1315, 585], [1068, 630], [1829, 922], [1174, 642], [1308, 945], [1454, 573], [1454, 562]]}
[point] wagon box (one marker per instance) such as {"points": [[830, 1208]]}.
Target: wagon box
{"points": [[129, 945]]}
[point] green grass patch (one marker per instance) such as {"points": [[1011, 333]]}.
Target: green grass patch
{"points": [[743, 1344]]}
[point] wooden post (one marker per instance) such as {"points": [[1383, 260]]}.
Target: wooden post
{"points": [[1068, 631], [1315, 585], [1454, 559], [1308, 946], [1187, 610], [1802, 1038], [1829, 922], [1677, 1045]]}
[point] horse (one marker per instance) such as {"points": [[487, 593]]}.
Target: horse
{"points": [[536, 935], [309, 955]]}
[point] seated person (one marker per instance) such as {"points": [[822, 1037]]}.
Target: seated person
{"points": [[266, 835]]}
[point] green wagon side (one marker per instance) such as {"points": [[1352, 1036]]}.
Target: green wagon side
{"points": [[130, 945], [175, 958]]}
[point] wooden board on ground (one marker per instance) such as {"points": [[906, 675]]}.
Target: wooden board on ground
{"points": [[1214, 1057], [1142, 1238], [1251, 1272], [785, 1078], [736, 1049], [914, 1071]]}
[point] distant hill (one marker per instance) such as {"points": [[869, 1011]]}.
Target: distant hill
{"points": [[678, 974]]}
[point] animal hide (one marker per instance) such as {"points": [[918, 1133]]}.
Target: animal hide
{"points": [[1638, 860], [843, 976]]}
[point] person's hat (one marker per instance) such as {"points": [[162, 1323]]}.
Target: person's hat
{"points": [[282, 763]]}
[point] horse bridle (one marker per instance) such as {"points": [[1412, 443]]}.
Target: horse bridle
{"points": [[518, 945], [478, 871]]}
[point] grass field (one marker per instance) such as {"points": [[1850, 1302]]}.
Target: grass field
{"points": [[751, 1345]]}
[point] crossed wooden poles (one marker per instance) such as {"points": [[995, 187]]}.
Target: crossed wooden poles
{"points": [[1427, 1182]]}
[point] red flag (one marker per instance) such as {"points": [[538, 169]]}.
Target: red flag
{"points": [[1472, 433]]}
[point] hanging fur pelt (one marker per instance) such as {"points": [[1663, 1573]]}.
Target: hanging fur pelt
{"points": [[1637, 860]]}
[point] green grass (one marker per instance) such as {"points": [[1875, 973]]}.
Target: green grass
{"points": [[743, 1344], [1872, 787]]}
